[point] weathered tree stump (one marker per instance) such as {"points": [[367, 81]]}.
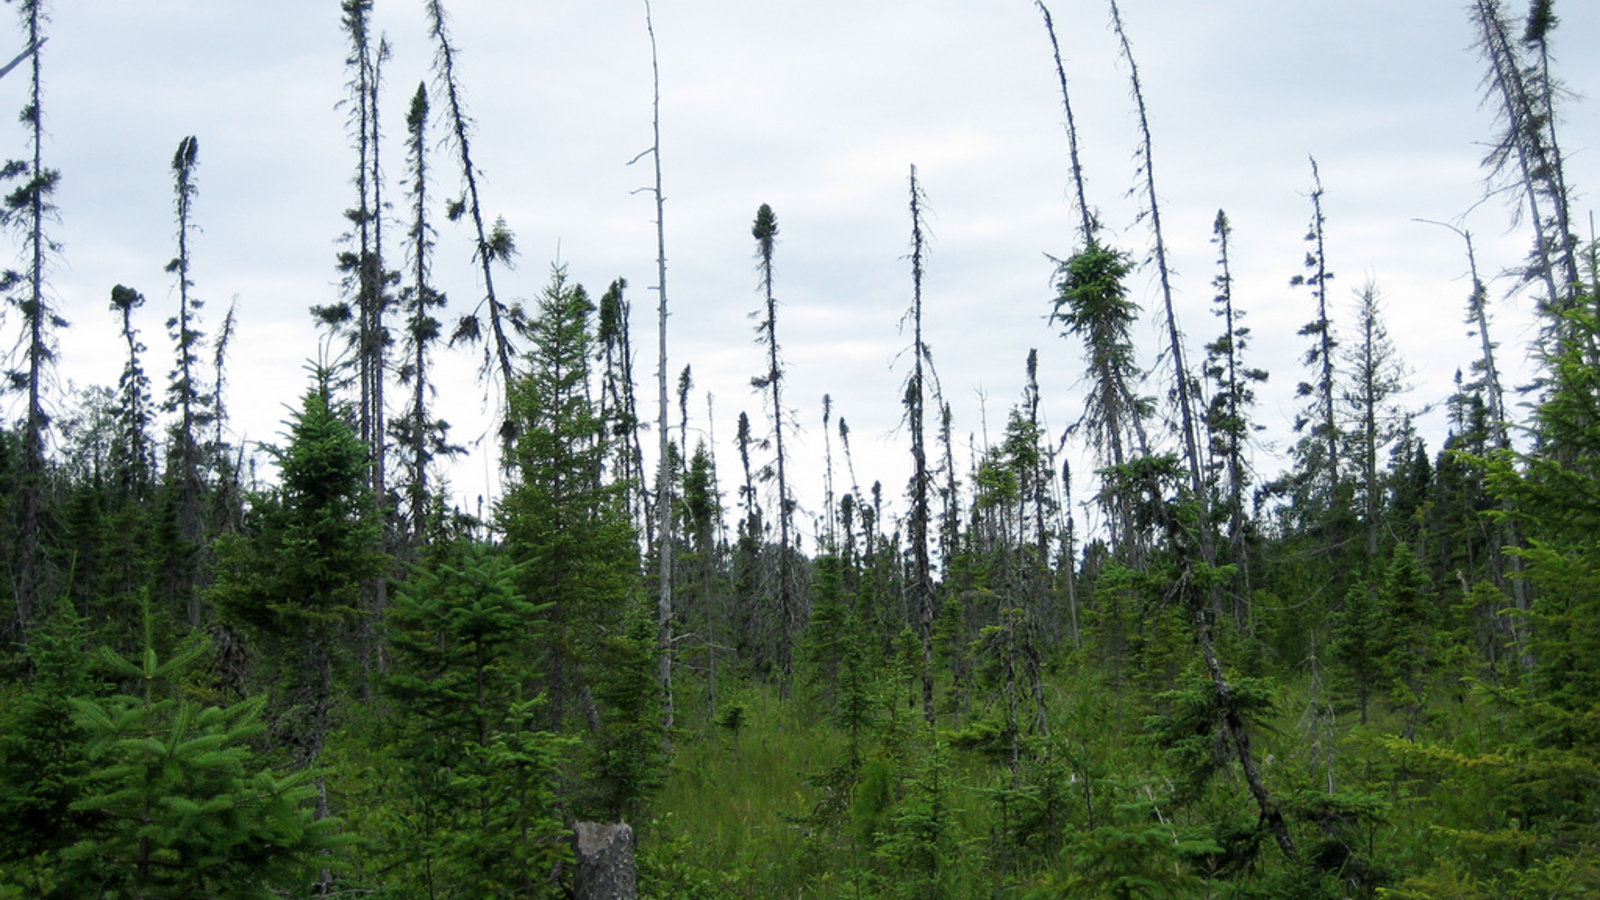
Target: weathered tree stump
{"points": [[605, 862]]}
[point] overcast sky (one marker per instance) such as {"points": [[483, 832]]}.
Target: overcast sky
{"points": [[818, 108]]}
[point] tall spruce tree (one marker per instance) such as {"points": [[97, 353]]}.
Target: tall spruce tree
{"points": [[1376, 375], [1092, 304], [830, 515], [1316, 487], [188, 400], [619, 403], [129, 497], [565, 525], [915, 402], [1226, 418], [292, 580], [28, 208], [375, 338], [424, 437], [1507, 567], [1089, 284], [133, 457], [765, 231], [229, 475], [360, 315]]}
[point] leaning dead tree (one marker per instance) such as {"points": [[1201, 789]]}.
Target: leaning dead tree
{"points": [[1088, 221], [1184, 385], [493, 244], [1526, 155]]}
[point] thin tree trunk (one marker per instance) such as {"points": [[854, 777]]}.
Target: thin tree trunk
{"points": [[915, 398], [1523, 143], [1508, 528], [486, 251], [1234, 432], [38, 318], [186, 461], [1087, 218], [378, 336], [765, 231], [1174, 338], [376, 340], [421, 328], [827, 474], [664, 537], [1266, 806]]}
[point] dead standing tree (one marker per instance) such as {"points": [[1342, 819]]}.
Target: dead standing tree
{"points": [[492, 244], [663, 506], [1182, 381]]}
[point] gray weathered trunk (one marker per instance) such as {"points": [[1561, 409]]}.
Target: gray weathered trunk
{"points": [[605, 862]]}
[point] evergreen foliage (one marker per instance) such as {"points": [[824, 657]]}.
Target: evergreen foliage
{"points": [[1092, 302], [566, 525], [292, 581], [474, 789], [149, 793], [44, 760], [181, 810]]}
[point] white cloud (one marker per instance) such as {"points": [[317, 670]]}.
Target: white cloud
{"points": [[818, 108]]}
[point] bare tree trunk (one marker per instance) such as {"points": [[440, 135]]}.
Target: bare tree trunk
{"points": [[664, 515], [1271, 816], [490, 246], [374, 343], [827, 474], [1088, 223], [1191, 448]]}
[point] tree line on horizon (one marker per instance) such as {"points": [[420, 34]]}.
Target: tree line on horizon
{"points": [[1374, 673]]}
